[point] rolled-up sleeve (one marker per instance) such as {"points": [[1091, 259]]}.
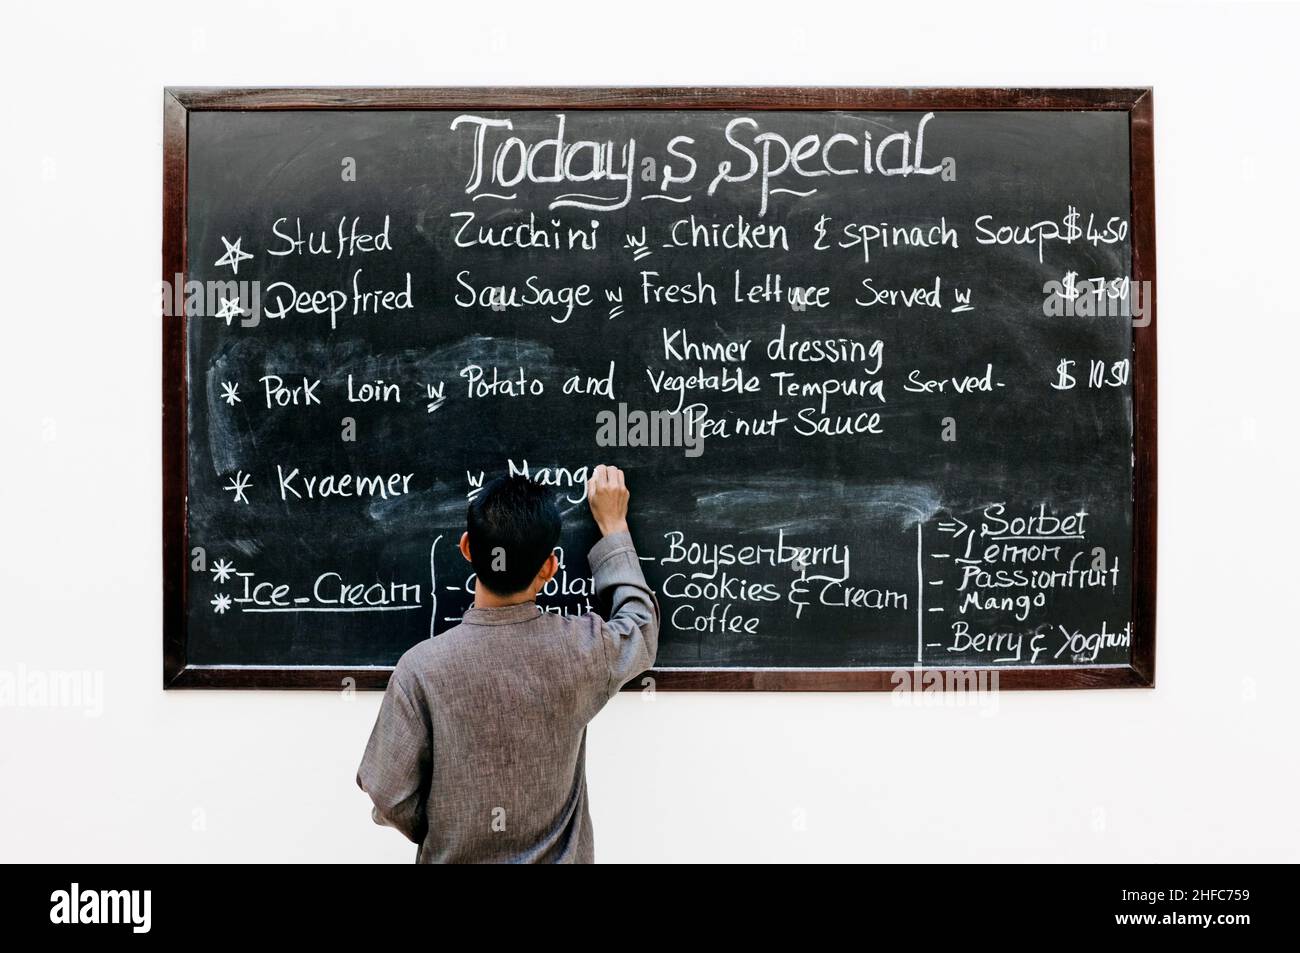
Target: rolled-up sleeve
{"points": [[630, 636], [396, 767]]}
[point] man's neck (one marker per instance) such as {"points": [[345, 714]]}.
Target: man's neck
{"points": [[484, 598]]}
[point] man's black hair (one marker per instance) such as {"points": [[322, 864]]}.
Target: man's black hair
{"points": [[513, 525]]}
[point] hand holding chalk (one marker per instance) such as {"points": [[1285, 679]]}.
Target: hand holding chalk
{"points": [[607, 494]]}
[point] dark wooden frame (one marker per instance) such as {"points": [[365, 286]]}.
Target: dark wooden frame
{"points": [[178, 102]]}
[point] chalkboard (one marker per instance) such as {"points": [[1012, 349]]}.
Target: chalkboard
{"points": [[879, 365]]}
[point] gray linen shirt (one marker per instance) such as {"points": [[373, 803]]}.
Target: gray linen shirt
{"points": [[479, 751]]}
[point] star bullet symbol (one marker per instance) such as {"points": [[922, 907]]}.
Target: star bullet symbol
{"points": [[220, 603], [222, 569], [230, 393], [234, 254], [238, 484], [230, 310]]}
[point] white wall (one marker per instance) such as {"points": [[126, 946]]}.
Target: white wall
{"points": [[1202, 768]]}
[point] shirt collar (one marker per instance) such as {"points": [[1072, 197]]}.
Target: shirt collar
{"points": [[502, 615]]}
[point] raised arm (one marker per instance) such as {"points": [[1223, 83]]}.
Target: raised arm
{"points": [[630, 637]]}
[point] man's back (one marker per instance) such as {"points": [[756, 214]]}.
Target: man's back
{"points": [[479, 752]]}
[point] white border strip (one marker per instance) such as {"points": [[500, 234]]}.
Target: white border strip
{"points": [[805, 668]]}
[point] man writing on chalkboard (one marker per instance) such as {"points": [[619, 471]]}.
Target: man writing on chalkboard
{"points": [[479, 751]]}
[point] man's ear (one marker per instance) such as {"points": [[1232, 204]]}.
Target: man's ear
{"points": [[549, 569], [464, 546]]}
